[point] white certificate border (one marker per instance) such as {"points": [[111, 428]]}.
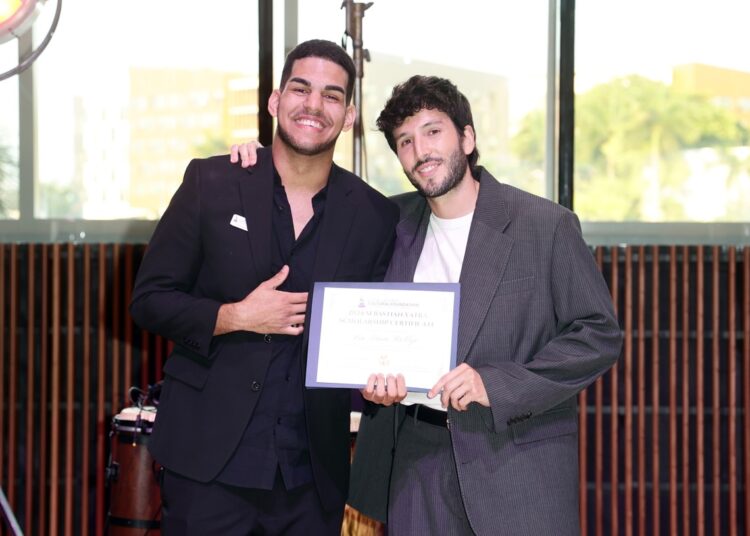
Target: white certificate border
{"points": [[316, 314]]}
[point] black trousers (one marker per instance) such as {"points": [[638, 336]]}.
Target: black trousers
{"points": [[194, 508]]}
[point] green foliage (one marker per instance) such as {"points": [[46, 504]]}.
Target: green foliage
{"points": [[630, 134]]}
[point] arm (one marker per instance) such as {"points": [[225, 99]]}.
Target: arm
{"points": [[167, 300], [586, 342]]}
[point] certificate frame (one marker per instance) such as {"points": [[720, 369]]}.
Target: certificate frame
{"points": [[321, 369]]}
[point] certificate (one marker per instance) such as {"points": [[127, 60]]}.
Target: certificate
{"points": [[358, 329]]}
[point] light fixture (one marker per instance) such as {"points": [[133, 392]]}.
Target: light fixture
{"points": [[16, 18]]}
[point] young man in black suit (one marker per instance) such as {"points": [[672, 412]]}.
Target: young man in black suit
{"points": [[247, 449]]}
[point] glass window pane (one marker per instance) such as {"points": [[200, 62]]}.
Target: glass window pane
{"points": [[129, 92], [9, 134], [662, 111], [500, 65]]}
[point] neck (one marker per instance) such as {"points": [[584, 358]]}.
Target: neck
{"points": [[301, 172], [460, 201]]}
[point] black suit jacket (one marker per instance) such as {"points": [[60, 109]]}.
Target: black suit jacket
{"points": [[197, 260]]}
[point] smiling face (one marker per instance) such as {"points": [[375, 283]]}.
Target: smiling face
{"points": [[432, 153], [311, 108]]}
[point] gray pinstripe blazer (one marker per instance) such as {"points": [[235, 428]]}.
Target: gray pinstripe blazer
{"points": [[537, 323]]}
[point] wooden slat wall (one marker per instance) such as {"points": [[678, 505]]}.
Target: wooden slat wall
{"points": [[66, 366], [665, 435]]}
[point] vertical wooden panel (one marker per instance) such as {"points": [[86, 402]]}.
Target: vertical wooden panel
{"points": [[732, 390], [30, 391], [599, 438], [583, 472], [44, 488], [614, 428], [13, 360], [715, 388], [101, 425], [3, 409], [86, 373], [2, 363], [70, 359], [672, 386], [54, 500], [746, 379], [655, 401], [700, 450], [628, 386], [117, 387], [128, 327], [685, 382], [641, 320]]}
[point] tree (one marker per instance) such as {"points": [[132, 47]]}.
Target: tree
{"points": [[630, 134]]}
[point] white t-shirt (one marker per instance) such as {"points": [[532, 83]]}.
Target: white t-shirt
{"points": [[440, 262]]}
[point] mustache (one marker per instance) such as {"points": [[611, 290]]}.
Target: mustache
{"points": [[424, 161], [311, 114]]}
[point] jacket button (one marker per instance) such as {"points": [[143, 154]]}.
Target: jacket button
{"points": [[267, 338], [255, 386]]}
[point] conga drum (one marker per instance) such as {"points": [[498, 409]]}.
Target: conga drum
{"points": [[133, 475]]}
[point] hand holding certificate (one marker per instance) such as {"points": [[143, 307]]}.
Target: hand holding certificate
{"points": [[359, 329]]}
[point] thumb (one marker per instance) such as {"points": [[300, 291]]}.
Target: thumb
{"points": [[279, 278]]}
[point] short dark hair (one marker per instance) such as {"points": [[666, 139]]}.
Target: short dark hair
{"points": [[431, 93], [320, 48]]}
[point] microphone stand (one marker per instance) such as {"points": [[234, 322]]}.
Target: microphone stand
{"points": [[355, 11]]}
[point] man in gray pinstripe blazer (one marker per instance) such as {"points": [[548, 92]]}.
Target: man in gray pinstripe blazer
{"points": [[493, 448]]}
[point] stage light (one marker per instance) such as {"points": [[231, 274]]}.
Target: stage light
{"points": [[17, 16]]}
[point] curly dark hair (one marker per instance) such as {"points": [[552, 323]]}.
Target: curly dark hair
{"points": [[431, 93], [320, 48]]}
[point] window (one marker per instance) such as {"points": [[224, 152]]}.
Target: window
{"points": [[9, 135], [662, 124], [495, 52], [127, 94]]}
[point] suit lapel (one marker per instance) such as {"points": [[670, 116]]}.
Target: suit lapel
{"points": [[410, 236], [256, 192], [487, 253], [337, 221]]}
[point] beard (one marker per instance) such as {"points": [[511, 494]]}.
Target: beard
{"points": [[456, 169], [302, 149]]}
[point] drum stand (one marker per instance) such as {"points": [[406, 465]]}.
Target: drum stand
{"points": [[15, 528]]}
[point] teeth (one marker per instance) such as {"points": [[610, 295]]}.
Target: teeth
{"points": [[310, 123]]}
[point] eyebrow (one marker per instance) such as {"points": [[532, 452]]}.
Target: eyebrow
{"points": [[329, 87], [422, 126]]}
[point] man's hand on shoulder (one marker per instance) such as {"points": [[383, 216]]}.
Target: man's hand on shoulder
{"points": [[247, 153]]}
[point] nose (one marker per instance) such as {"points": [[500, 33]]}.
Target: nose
{"points": [[420, 147], [314, 101]]}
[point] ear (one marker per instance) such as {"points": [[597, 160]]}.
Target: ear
{"points": [[468, 142], [273, 103], [349, 116]]}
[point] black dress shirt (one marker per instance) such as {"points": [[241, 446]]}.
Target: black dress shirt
{"points": [[276, 437]]}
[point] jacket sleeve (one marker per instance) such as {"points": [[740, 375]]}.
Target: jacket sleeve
{"points": [[164, 299], [585, 343]]}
